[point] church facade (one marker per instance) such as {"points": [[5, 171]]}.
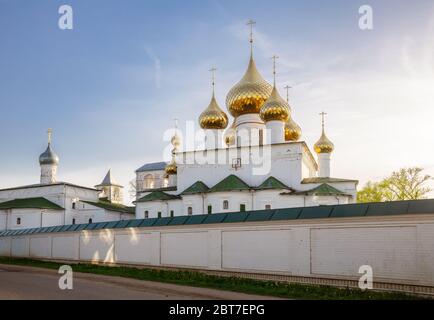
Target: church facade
{"points": [[258, 162], [54, 203]]}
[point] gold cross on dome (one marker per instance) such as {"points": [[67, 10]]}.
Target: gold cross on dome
{"points": [[213, 70], [275, 57], [251, 23], [323, 114], [287, 87], [49, 132]]}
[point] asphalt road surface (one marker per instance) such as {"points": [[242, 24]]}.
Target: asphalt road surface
{"points": [[24, 283]]}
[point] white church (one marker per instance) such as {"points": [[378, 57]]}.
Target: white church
{"points": [[53, 203], [258, 162]]}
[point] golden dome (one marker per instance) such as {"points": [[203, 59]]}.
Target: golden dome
{"points": [[213, 117], [292, 130], [230, 135], [171, 168], [275, 108], [248, 95], [176, 141], [324, 145]]}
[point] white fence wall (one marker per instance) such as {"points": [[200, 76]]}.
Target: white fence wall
{"points": [[400, 249]]}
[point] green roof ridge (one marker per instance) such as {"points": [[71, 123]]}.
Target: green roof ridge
{"points": [[158, 196], [272, 183], [197, 187], [110, 206], [30, 203], [230, 183], [323, 189]]}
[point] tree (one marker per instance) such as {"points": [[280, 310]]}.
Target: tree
{"points": [[405, 184], [132, 189]]}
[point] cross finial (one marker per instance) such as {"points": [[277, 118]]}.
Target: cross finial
{"points": [[49, 132], [213, 70], [275, 57], [251, 23], [323, 114], [287, 87]]}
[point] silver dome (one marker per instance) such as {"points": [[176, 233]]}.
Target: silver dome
{"points": [[48, 157]]}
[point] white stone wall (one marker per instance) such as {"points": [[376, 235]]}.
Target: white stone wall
{"points": [[30, 218], [164, 207], [282, 161], [256, 200], [85, 211], [399, 248]]}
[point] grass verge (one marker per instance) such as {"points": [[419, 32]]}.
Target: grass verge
{"points": [[197, 279]]}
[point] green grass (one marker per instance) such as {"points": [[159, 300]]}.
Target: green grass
{"points": [[197, 279]]}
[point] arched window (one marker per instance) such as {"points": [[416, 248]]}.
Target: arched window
{"points": [[148, 182], [189, 211], [225, 204], [165, 181], [18, 221], [73, 221], [90, 220], [209, 209], [146, 214]]}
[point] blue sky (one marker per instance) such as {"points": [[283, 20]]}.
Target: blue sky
{"points": [[110, 87]]}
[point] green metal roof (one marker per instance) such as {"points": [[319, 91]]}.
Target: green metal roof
{"points": [[230, 183], [395, 208], [325, 180], [272, 183], [158, 196], [322, 190], [111, 206], [197, 187], [30, 203]]}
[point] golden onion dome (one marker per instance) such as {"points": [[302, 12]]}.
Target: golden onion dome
{"points": [[275, 108], [324, 145], [249, 94], [176, 141], [292, 130], [230, 135], [171, 168], [213, 117]]}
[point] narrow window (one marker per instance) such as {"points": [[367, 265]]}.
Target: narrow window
{"points": [[261, 137], [209, 209], [225, 204], [18, 221], [242, 207], [73, 221], [267, 207], [189, 211], [73, 205], [90, 220], [172, 213], [159, 214], [146, 214]]}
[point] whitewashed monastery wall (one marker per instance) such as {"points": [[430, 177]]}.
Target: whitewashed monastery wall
{"points": [[399, 248]]}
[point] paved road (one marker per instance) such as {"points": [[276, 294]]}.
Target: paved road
{"points": [[18, 282]]}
